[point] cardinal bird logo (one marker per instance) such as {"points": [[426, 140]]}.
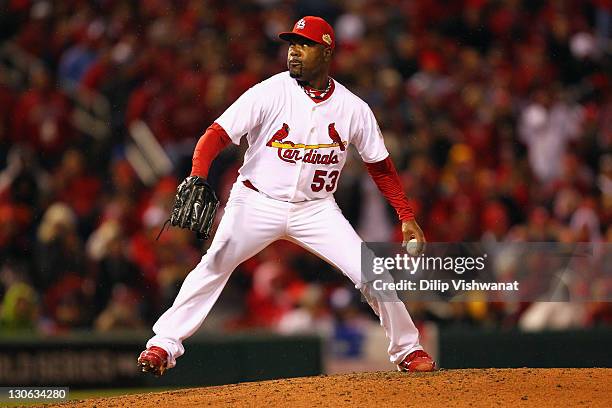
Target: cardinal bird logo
{"points": [[280, 134], [333, 134]]}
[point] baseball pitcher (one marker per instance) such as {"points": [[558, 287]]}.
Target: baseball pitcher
{"points": [[298, 125]]}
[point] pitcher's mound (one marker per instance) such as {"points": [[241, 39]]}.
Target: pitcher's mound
{"points": [[524, 387]]}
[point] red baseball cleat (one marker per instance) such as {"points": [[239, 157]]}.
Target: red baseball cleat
{"points": [[417, 361], [153, 360]]}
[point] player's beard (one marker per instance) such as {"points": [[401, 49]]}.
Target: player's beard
{"points": [[296, 72]]}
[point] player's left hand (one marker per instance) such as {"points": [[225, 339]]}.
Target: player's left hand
{"points": [[411, 230], [195, 206]]}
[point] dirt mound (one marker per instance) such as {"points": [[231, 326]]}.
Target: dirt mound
{"points": [[459, 388]]}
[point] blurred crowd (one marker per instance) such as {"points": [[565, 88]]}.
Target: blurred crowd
{"points": [[497, 113]]}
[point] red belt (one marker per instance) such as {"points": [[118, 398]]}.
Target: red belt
{"points": [[250, 185]]}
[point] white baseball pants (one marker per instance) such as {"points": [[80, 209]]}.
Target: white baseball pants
{"points": [[251, 222]]}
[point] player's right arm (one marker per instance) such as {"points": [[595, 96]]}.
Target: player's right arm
{"points": [[370, 145]]}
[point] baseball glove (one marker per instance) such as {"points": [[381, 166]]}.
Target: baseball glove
{"points": [[195, 206]]}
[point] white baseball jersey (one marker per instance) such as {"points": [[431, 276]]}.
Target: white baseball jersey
{"points": [[294, 151]]}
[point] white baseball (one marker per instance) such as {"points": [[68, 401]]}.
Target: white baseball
{"points": [[412, 247]]}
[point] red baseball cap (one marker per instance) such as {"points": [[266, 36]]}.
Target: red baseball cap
{"points": [[313, 28]]}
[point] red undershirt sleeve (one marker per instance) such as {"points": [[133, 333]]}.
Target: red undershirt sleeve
{"points": [[386, 178], [208, 147]]}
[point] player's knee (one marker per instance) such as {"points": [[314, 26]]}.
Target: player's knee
{"points": [[215, 259]]}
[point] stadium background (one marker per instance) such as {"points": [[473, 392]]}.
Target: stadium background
{"points": [[497, 113]]}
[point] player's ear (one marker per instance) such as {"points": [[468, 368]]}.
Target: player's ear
{"points": [[327, 54]]}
